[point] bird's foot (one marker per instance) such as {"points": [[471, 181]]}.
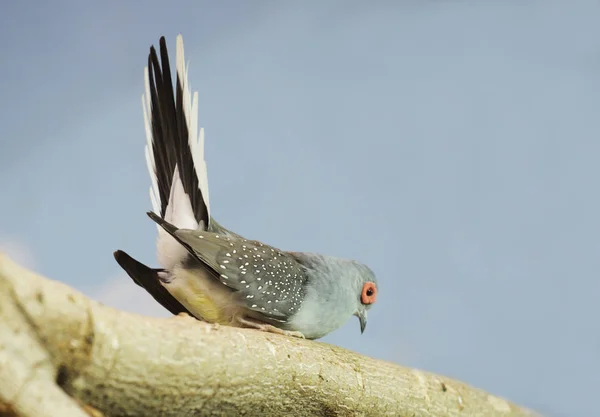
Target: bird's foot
{"points": [[255, 324]]}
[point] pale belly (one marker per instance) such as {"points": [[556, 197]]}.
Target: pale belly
{"points": [[204, 297]]}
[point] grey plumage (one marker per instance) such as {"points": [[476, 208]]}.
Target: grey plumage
{"points": [[310, 293], [209, 271], [333, 294], [267, 280]]}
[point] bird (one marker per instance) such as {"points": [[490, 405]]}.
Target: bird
{"points": [[209, 272]]}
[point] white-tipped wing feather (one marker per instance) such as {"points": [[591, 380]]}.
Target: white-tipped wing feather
{"points": [[195, 141], [174, 152]]}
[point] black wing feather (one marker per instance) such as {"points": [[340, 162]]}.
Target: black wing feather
{"points": [[170, 135]]}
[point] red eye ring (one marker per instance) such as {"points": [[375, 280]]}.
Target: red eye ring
{"points": [[369, 293]]}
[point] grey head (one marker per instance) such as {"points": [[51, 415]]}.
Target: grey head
{"points": [[335, 290]]}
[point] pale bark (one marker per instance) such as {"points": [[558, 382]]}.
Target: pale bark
{"points": [[62, 354]]}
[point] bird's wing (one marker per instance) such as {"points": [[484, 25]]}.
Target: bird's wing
{"points": [[174, 151], [268, 281]]}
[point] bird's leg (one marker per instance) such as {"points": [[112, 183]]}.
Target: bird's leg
{"points": [[255, 324]]}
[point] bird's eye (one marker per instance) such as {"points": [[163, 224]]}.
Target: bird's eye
{"points": [[369, 293]]}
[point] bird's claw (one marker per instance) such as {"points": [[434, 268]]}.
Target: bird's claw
{"points": [[268, 328]]}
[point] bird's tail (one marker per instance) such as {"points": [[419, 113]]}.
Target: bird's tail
{"points": [[174, 151], [149, 279]]}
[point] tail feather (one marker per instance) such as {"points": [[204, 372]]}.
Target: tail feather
{"points": [[174, 150], [148, 279], [175, 159]]}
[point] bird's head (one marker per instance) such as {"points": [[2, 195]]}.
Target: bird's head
{"points": [[365, 289]]}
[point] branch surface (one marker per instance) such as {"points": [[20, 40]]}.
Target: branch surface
{"points": [[63, 354]]}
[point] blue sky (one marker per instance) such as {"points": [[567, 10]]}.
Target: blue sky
{"points": [[452, 146]]}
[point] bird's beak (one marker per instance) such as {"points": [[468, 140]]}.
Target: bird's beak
{"points": [[362, 317]]}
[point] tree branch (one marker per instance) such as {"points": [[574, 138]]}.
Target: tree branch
{"points": [[62, 354]]}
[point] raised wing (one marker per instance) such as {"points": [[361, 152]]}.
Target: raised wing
{"points": [[174, 150]]}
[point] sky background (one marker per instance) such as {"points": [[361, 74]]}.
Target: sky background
{"points": [[450, 145]]}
